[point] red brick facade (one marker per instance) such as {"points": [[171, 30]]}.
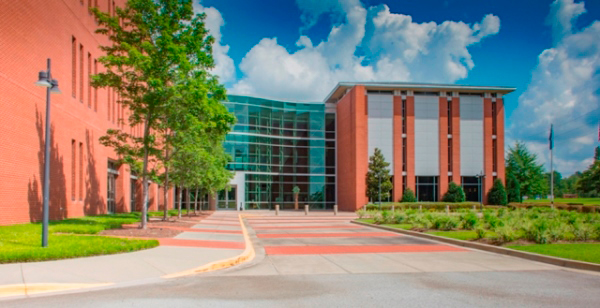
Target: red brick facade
{"points": [[32, 31]]}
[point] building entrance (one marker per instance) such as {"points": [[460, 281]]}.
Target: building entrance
{"points": [[227, 200]]}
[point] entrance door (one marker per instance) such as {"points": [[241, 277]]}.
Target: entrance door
{"points": [[110, 198], [227, 200]]}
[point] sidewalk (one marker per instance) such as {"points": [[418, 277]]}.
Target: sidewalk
{"points": [[215, 242]]}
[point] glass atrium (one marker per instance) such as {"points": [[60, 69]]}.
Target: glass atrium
{"points": [[280, 145]]}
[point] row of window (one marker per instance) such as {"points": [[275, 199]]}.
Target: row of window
{"points": [[77, 171]]}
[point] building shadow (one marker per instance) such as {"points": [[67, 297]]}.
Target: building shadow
{"points": [[58, 190], [93, 203]]}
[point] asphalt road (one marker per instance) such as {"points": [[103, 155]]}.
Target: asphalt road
{"points": [[557, 288]]}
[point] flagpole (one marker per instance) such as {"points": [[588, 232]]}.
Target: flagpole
{"points": [[551, 168]]}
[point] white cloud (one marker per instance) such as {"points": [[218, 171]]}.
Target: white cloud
{"points": [[368, 44], [563, 90], [224, 67]]}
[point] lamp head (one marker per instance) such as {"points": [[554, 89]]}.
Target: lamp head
{"points": [[43, 80], [54, 88]]}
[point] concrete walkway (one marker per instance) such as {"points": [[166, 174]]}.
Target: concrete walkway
{"points": [[218, 237], [294, 244]]}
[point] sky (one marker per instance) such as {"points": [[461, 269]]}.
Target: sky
{"points": [[549, 50]]}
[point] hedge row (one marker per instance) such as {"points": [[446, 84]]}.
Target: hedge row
{"points": [[561, 206], [425, 205]]}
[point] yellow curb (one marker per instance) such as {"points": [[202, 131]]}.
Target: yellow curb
{"points": [[37, 288], [247, 255]]}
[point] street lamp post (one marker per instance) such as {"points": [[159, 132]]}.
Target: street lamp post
{"points": [[51, 85], [380, 191], [480, 194]]}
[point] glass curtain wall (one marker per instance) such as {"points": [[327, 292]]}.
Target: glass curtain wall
{"points": [[280, 145], [470, 185]]}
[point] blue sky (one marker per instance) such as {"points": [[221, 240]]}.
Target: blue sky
{"points": [[297, 50]]}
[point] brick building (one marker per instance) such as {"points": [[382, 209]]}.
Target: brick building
{"points": [[84, 178], [431, 134]]}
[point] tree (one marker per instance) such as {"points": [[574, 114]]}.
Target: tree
{"points": [[513, 193], [158, 64], [559, 186], [378, 175], [497, 194], [588, 184], [455, 193], [528, 172], [296, 191], [597, 153], [408, 196]]}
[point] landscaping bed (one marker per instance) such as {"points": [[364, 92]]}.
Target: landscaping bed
{"points": [[523, 229]]}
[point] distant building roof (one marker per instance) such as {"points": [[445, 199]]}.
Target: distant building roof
{"points": [[341, 87]]}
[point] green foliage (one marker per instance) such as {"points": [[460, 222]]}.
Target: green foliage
{"points": [[497, 194], [296, 190], [524, 166], [589, 182], [588, 252], [378, 174], [408, 196], [455, 193], [469, 220], [21, 243], [480, 232], [513, 188], [158, 62]]}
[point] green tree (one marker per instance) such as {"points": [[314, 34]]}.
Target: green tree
{"points": [[455, 193], [497, 194], [597, 153], [408, 196], [378, 173], [513, 188], [524, 166], [158, 62], [296, 191], [559, 186], [570, 183], [588, 184]]}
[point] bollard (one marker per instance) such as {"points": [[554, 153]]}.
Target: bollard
{"points": [[420, 208], [474, 208], [335, 209], [393, 208], [306, 209], [276, 209], [447, 209]]}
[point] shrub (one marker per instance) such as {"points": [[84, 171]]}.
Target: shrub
{"points": [[387, 217], [399, 218], [583, 232], [480, 231], [377, 218], [361, 213], [455, 193], [513, 188], [497, 194], [469, 220], [408, 196], [505, 234]]}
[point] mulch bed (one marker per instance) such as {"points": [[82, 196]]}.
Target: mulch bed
{"points": [[154, 229]]}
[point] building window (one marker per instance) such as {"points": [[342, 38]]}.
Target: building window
{"points": [[404, 116], [450, 116], [404, 184], [89, 80], [404, 153], [470, 185], [73, 171], [108, 102], [73, 66], [427, 188], [89, 7], [450, 155], [494, 155], [494, 114], [95, 89], [81, 73], [81, 171]]}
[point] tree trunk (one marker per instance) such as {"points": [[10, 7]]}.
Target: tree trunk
{"points": [[166, 187], [179, 206], [295, 201], [187, 202], [196, 201], [145, 177]]}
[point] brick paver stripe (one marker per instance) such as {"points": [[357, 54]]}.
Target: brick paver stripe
{"points": [[319, 250], [340, 234]]}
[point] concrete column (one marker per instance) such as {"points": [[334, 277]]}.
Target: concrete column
{"points": [[277, 209], [335, 209], [306, 209]]}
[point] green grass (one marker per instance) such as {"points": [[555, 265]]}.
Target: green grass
{"points": [[397, 226], [567, 200], [589, 252], [171, 213], [467, 235], [22, 243]]}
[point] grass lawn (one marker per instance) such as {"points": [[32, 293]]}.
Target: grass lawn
{"points": [[22, 243], [567, 200], [589, 252], [171, 213], [466, 235]]}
